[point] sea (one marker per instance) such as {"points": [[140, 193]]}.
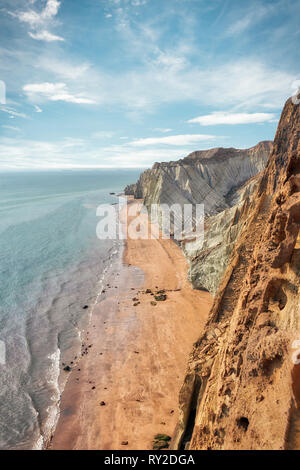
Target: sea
{"points": [[52, 268]]}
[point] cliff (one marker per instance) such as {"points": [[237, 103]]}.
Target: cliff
{"points": [[208, 177], [220, 179], [242, 388], [208, 263]]}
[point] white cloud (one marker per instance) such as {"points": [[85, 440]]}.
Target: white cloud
{"points": [[171, 61], [34, 18], [45, 36], [165, 75], [68, 153], [39, 21], [38, 109], [138, 3], [12, 112], [239, 26], [220, 117], [163, 130], [55, 92], [172, 74], [12, 128], [102, 135], [187, 139], [65, 69], [45, 88], [246, 84], [249, 18]]}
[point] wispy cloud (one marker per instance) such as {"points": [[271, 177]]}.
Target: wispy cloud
{"points": [[138, 3], [55, 92], [249, 18], [63, 68], [246, 83], [11, 128], [68, 153], [163, 130], [45, 36], [12, 112], [145, 60], [102, 135], [40, 21], [185, 139], [220, 117], [161, 74]]}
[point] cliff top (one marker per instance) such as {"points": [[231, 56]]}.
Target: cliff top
{"points": [[217, 154]]}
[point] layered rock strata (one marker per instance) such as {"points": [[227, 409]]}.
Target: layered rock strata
{"points": [[220, 179], [242, 387]]}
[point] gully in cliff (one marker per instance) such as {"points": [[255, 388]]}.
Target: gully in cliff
{"points": [[149, 227], [247, 395]]}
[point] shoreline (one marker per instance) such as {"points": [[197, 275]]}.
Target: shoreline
{"points": [[72, 354], [125, 387]]}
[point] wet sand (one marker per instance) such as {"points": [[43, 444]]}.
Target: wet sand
{"points": [[134, 357]]}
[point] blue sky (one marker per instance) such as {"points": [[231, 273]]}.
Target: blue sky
{"points": [[125, 83]]}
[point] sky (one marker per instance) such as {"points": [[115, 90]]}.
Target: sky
{"points": [[126, 83]]}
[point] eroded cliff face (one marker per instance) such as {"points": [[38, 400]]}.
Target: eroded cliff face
{"points": [[242, 388], [208, 177], [220, 179], [208, 261]]}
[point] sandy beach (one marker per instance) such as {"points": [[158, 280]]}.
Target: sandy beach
{"points": [[125, 387]]}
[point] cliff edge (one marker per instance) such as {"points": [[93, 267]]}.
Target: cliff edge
{"points": [[242, 387], [222, 179]]}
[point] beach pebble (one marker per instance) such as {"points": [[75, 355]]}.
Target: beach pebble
{"points": [[124, 443]]}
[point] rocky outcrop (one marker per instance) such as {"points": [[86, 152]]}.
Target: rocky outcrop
{"points": [[208, 177], [242, 387], [130, 190], [209, 261], [220, 179]]}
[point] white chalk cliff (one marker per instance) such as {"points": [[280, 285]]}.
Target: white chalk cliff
{"points": [[221, 179]]}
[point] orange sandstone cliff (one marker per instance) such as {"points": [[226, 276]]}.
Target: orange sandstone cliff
{"points": [[242, 387]]}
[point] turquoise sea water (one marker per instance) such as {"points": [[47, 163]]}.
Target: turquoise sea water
{"points": [[51, 264]]}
